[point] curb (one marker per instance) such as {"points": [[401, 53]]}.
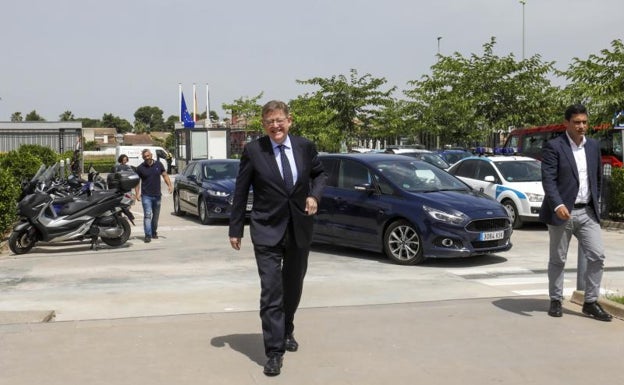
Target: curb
{"points": [[20, 317], [614, 308]]}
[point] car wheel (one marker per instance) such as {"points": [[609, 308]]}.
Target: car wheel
{"points": [[176, 206], [403, 244], [203, 212], [513, 213]]}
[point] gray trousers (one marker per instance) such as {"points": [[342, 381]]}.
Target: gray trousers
{"points": [[586, 228]]}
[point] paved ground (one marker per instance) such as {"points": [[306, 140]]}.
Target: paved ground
{"points": [[477, 341], [182, 310]]}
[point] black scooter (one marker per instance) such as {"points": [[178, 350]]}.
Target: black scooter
{"points": [[44, 218]]}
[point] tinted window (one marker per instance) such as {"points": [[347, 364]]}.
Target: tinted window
{"points": [[467, 169], [352, 173]]}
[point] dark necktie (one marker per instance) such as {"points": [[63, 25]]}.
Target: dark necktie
{"points": [[286, 171]]}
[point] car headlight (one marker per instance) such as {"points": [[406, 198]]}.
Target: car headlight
{"points": [[215, 193], [454, 217], [535, 197]]}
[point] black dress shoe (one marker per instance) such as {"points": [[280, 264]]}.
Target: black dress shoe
{"points": [[593, 309], [147, 239], [290, 343], [273, 366], [555, 308]]}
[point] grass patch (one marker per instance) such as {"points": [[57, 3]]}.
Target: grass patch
{"points": [[615, 298]]}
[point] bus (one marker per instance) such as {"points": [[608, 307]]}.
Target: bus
{"points": [[529, 141]]}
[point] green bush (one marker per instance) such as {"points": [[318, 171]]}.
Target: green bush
{"points": [[45, 154], [22, 166], [8, 199], [616, 194]]}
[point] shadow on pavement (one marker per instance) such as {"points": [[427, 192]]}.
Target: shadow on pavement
{"points": [[251, 345], [527, 306]]}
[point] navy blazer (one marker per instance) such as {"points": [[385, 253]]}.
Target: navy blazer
{"points": [[560, 177], [273, 205]]}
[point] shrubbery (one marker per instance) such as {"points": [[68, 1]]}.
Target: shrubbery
{"points": [[15, 167], [616, 195], [8, 198]]}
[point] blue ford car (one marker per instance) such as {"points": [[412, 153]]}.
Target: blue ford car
{"points": [[205, 188], [408, 209]]}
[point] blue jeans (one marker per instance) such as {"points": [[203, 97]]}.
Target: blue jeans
{"points": [[151, 212]]}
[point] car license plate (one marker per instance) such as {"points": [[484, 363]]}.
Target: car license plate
{"points": [[491, 235], [249, 205]]}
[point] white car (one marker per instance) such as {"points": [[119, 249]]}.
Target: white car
{"points": [[514, 181]]}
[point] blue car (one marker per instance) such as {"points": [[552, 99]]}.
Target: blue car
{"points": [[205, 188], [408, 209]]}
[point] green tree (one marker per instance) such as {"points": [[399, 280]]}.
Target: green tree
{"points": [[170, 123], [33, 116], [312, 119], [89, 123], [214, 117], [354, 101], [246, 110], [598, 82], [66, 116], [148, 119], [17, 117], [470, 99], [121, 125]]}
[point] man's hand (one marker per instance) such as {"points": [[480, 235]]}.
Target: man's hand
{"points": [[563, 213], [311, 206], [235, 242]]}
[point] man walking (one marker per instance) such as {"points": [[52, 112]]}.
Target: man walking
{"points": [[287, 179], [148, 191], [571, 174]]}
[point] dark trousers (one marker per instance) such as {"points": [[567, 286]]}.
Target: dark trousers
{"points": [[282, 269]]}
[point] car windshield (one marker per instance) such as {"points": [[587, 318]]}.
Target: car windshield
{"points": [[418, 176], [216, 171], [454, 157], [520, 171]]}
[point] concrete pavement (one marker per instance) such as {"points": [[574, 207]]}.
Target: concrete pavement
{"points": [[476, 341]]}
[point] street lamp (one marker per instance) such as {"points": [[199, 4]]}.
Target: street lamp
{"points": [[439, 38], [523, 2]]}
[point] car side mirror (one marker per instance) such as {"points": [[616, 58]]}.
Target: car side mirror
{"points": [[192, 178], [364, 187], [490, 178]]}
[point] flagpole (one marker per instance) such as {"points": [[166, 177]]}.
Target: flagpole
{"points": [[194, 104], [208, 104], [180, 101]]}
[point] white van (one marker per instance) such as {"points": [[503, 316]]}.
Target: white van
{"points": [[134, 155]]}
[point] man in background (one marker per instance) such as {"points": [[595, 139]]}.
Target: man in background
{"points": [[148, 191]]}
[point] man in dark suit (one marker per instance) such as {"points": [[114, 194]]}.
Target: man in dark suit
{"points": [[571, 174], [287, 180]]}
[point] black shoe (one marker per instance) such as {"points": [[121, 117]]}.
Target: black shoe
{"points": [[273, 366], [155, 236], [593, 309], [290, 343], [147, 239], [555, 308]]}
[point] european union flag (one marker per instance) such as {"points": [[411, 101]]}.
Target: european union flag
{"points": [[184, 114]]}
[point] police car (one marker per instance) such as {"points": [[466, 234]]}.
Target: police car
{"points": [[514, 181]]}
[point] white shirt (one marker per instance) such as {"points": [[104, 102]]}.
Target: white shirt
{"points": [[581, 165], [289, 154]]}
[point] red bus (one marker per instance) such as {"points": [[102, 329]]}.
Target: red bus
{"points": [[529, 141]]}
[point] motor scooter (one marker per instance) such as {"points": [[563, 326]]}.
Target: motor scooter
{"points": [[99, 215]]}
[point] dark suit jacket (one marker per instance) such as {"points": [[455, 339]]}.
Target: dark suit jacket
{"points": [[560, 177], [273, 206]]}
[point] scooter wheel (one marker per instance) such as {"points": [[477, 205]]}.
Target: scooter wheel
{"points": [[20, 242]]}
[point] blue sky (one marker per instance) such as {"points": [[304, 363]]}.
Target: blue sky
{"points": [[94, 57]]}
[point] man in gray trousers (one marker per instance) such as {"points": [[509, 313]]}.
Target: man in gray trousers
{"points": [[571, 173]]}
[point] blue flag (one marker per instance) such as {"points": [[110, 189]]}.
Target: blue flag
{"points": [[184, 114]]}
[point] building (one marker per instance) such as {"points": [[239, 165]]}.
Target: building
{"points": [[59, 136]]}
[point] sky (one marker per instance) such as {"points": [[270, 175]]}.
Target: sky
{"points": [[93, 57]]}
